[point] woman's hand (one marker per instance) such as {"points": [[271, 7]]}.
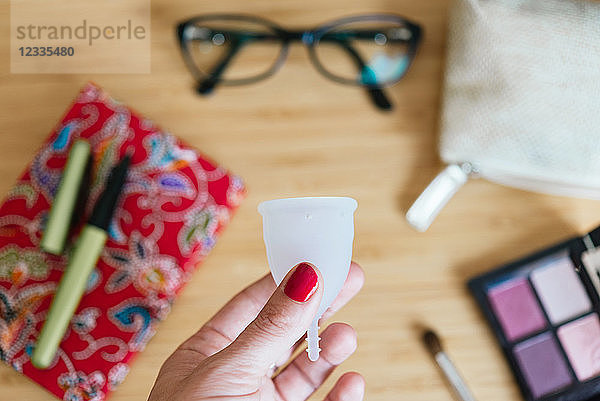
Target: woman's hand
{"points": [[234, 355]]}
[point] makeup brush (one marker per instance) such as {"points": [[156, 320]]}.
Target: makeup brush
{"points": [[434, 346]]}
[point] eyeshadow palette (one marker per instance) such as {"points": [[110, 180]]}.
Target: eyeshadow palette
{"points": [[544, 312]]}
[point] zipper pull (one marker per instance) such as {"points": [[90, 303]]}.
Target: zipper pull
{"points": [[433, 199]]}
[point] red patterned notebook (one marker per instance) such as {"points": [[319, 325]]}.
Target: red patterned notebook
{"points": [[172, 208]]}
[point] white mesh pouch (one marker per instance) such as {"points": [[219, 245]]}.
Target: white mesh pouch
{"points": [[521, 100]]}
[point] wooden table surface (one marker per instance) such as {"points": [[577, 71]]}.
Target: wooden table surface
{"points": [[298, 134]]}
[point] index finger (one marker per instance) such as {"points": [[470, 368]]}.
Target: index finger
{"points": [[227, 324]]}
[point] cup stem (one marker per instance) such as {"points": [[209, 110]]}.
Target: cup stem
{"points": [[313, 340]]}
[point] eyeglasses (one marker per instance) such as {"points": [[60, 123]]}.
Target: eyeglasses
{"points": [[372, 51]]}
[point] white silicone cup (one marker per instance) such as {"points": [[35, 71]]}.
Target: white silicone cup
{"points": [[319, 230]]}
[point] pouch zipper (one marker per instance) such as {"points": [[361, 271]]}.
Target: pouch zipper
{"points": [[443, 187], [539, 184], [433, 199]]}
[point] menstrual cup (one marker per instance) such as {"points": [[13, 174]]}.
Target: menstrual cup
{"points": [[318, 230]]}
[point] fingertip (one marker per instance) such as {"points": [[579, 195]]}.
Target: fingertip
{"points": [[356, 276], [355, 384], [349, 387], [303, 283], [338, 341], [316, 269], [354, 282]]}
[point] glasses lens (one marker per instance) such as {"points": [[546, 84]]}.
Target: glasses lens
{"points": [[232, 49], [370, 53]]}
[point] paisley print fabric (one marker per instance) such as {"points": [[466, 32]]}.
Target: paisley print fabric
{"points": [[174, 205]]}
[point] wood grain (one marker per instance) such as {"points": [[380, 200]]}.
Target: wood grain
{"points": [[299, 134]]}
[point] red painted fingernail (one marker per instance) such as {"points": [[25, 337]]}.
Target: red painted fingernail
{"points": [[302, 284]]}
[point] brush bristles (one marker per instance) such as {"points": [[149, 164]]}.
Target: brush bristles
{"points": [[432, 342]]}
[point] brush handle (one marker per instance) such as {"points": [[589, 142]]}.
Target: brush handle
{"points": [[68, 294], [454, 378]]}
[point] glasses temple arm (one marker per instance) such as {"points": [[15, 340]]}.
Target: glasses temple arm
{"points": [[376, 93], [206, 85]]}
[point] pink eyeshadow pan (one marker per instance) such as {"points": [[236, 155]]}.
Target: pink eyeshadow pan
{"points": [[516, 308], [581, 342]]}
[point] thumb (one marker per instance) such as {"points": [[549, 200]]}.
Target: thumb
{"points": [[282, 321]]}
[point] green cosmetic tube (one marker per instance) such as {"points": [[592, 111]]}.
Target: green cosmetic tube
{"points": [[68, 294], [63, 205], [82, 261]]}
